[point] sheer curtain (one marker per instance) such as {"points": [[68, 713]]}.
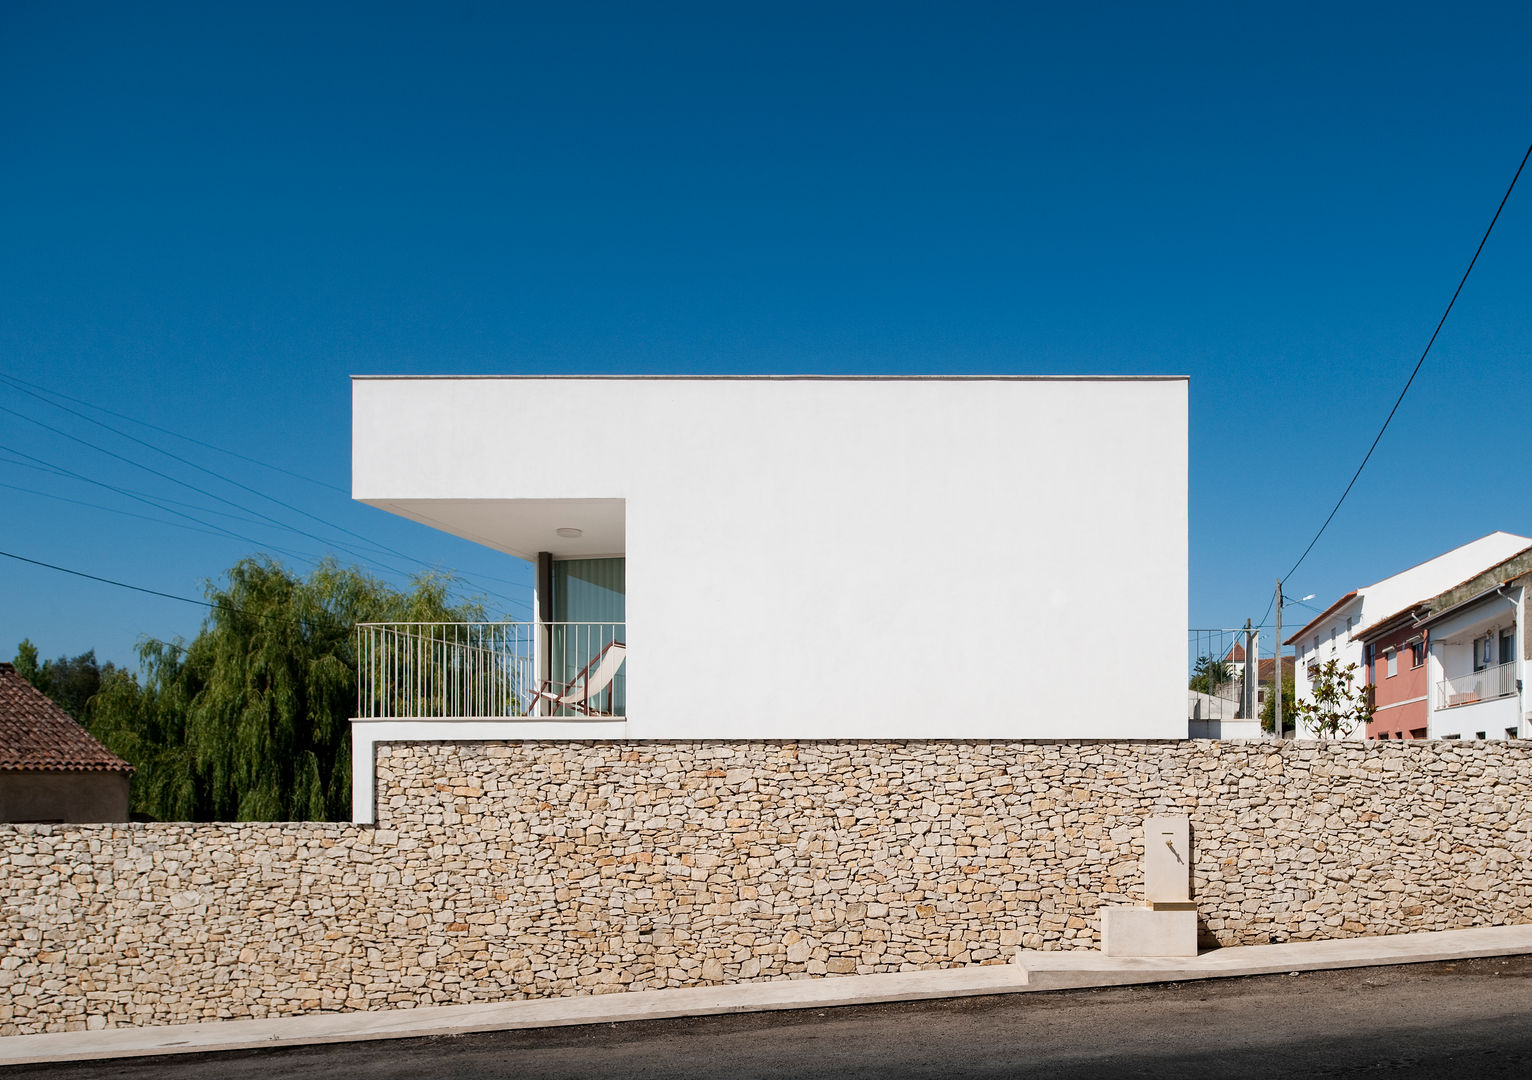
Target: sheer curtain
{"points": [[589, 598]]}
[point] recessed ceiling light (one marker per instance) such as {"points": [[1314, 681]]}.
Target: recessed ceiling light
{"points": [[570, 534]]}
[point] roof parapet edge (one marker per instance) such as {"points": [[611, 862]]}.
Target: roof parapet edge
{"points": [[782, 378]]}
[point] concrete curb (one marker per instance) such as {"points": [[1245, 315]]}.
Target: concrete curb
{"points": [[1031, 971]]}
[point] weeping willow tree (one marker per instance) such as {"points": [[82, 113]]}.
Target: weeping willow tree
{"points": [[250, 721]]}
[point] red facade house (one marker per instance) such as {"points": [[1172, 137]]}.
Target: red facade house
{"points": [[1395, 651]]}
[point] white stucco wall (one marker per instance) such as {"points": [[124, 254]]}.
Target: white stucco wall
{"points": [[1335, 643], [1453, 637], [847, 558]]}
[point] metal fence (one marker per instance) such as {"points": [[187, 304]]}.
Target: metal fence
{"points": [[1218, 673], [434, 670], [1484, 685], [422, 670], [581, 666]]}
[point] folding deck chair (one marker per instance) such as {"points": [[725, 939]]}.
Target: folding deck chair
{"points": [[578, 693]]}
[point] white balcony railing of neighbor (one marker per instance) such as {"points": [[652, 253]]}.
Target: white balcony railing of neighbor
{"points": [[1485, 685], [479, 670]]}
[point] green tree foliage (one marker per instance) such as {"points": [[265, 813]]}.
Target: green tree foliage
{"points": [[1269, 706], [26, 663], [250, 722], [1339, 708], [1208, 674], [69, 681]]}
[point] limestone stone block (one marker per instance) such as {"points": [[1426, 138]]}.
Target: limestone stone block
{"points": [[1143, 931], [1167, 860]]}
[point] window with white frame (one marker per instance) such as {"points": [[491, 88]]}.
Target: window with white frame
{"points": [[1391, 658]]}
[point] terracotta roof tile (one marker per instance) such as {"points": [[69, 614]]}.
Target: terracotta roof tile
{"points": [[37, 734]]}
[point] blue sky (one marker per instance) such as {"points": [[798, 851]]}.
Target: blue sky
{"points": [[215, 214]]}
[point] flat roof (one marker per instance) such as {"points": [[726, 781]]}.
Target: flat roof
{"points": [[808, 378]]}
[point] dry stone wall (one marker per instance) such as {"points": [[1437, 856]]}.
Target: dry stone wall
{"points": [[510, 870]]}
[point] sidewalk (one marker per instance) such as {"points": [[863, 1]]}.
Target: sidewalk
{"points": [[1032, 971]]}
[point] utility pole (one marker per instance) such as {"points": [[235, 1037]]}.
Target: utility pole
{"points": [[1276, 674], [1252, 675]]}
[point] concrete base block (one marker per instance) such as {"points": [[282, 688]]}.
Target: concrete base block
{"points": [[1142, 931]]}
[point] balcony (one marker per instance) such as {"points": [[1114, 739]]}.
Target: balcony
{"points": [[489, 671], [1486, 684]]}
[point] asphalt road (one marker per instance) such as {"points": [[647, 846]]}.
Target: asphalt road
{"points": [[1469, 1018]]}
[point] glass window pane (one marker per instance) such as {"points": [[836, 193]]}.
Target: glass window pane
{"points": [[589, 612]]}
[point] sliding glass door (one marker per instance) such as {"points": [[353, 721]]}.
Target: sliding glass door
{"points": [[589, 613]]}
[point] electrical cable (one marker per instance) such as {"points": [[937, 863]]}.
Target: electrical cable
{"points": [[136, 588], [215, 606], [218, 476], [306, 557], [208, 528], [109, 509], [1410, 381], [235, 483], [1424, 353], [8, 377], [54, 470], [201, 491]]}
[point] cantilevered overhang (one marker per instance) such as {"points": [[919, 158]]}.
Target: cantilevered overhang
{"points": [[568, 528], [514, 473]]}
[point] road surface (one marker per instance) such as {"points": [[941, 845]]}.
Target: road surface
{"points": [[1470, 1018]]}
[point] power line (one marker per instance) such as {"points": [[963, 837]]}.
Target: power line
{"points": [[6, 376], [191, 487], [208, 527], [121, 584], [202, 491], [215, 606], [216, 475], [1440, 323], [109, 509], [228, 480], [154, 498], [156, 592], [307, 557], [1407, 384], [38, 465]]}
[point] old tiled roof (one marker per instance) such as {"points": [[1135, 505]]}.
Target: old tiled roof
{"points": [[37, 734], [1236, 655]]}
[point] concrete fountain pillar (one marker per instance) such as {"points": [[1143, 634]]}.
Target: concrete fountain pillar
{"points": [[1166, 923]]}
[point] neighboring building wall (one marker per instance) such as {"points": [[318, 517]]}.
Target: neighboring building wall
{"points": [[1400, 701], [1326, 641], [1331, 636], [542, 869], [79, 796], [1491, 702], [833, 558]]}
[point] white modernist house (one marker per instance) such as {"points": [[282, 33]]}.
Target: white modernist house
{"points": [[1335, 633], [787, 557], [1477, 664]]}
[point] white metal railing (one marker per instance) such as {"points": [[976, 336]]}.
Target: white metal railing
{"points": [[483, 670], [1485, 685]]}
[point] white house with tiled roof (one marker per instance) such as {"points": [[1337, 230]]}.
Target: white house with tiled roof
{"points": [[1336, 632]]}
